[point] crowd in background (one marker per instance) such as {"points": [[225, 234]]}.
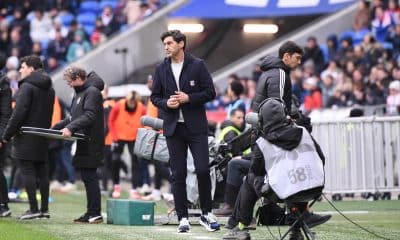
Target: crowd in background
{"points": [[62, 31], [359, 67]]}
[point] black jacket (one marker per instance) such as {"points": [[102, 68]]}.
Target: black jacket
{"points": [[273, 82], [195, 81], [5, 102], [34, 108], [87, 117]]}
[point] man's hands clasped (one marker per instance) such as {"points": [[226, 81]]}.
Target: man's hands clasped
{"points": [[177, 99]]}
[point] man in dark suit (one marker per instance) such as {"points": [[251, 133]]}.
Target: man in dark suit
{"points": [[182, 85]]}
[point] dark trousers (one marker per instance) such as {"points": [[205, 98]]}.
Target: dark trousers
{"points": [[160, 172], [106, 168], [237, 169], [178, 146], [3, 182], [245, 202], [91, 182], [36, 173], [117, 150]]}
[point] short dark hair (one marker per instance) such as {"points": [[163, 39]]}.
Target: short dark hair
{"points": [[235, 110], [32, 61], [75, 72], [291, 48], [237, 87], [177, 35]]}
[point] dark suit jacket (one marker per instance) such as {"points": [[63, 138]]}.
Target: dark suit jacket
{"points": [[196, 81]]}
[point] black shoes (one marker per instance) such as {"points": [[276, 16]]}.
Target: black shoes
{"points": [[311, 219], [28, 215], [92, 219], [4, 211]]}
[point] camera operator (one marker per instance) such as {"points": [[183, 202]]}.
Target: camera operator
{"points": [[274, 82]]}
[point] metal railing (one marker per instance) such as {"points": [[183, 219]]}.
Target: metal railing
{"points": [[362, 154]]}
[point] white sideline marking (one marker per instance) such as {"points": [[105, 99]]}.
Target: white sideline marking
{"points": [[344, 212], [204, 237]]}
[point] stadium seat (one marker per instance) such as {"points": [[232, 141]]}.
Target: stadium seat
{"points": [[105, 3], [66, 19], [89, 28], [89, 7], [86, 18]]}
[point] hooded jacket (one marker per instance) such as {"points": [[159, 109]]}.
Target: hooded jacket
{"points": [[87, 117], [34, 108], [278, 130], [5, 102], [273, 82]]}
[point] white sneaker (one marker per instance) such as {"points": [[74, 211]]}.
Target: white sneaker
{"points": [[154, 196], [145, 189], [209, 221], [184, 226], [169, 197], [68, 187], [55, 186]]}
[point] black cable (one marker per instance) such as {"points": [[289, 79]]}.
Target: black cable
{"points": [[356, 224]]}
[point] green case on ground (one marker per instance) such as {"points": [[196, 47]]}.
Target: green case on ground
{"points": [[130, 212]]}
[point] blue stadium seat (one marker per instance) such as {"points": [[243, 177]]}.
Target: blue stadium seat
{"points": [[86, 18], [105, 3], [89, 7], [66, 19], [89, 28]]}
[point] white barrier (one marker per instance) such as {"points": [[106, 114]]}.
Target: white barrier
{"points": [[362, 154]]}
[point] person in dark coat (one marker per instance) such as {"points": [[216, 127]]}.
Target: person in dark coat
{"points": [[5, 112], [181, 87], [87, 118], [275, 79], [34, 108]]}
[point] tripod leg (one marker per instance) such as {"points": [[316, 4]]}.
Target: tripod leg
{"points": [[307, 232]]}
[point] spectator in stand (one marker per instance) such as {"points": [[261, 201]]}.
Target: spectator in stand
{"points": [[332, 45], [327, 88], [346, 47], [337, 100], [110, 23], [58, 27], [361, 19], [394, 10], [40, 27], [393, 100], [51, 64], [37, 50], [381, 23], [12, 63], [57, 48], [4, 39], [360, 58], [373, 50], [132, 11], [98, 36], [16, 41], [313, 52], [375, 93], [78, 48], [394, 38], [296, 77], [74, 28], [333, 70], [19, 22], [313, 97], [145, 11]]}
